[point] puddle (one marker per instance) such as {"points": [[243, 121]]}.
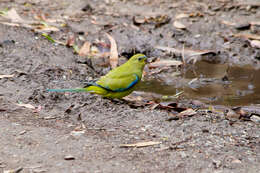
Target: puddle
{"points": [[212, 83]]}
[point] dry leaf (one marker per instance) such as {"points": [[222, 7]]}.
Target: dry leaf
{"points": [[255, 3], [26, 106], [85, 49], [187, 52], [248, 36], [188, 112], [179, 25], [255, 43], [9, 24], [140, 144], [231, 114], [6, 76], [113, 51], [257, 23], [182, 15], [228, 23], [16, 20], [14, 16], [165, 63], [70, 41], [44, 28]]}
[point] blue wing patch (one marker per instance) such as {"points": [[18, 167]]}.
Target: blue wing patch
{"points": [[119, 89]]}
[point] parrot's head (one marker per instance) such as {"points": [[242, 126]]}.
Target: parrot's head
{"points": [[138, 60]]}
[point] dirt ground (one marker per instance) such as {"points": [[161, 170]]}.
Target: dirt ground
{"points": [[79, 132]]}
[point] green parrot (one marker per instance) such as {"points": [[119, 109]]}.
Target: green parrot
{"points": [[117, 83]]}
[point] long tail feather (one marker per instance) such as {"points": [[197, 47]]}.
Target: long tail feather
{"points": [[68, 90]]}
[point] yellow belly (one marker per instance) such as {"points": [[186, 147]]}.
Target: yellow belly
{"points": [[109, 94]]}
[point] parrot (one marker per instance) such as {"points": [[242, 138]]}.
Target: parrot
{"points": [[117, 83]]}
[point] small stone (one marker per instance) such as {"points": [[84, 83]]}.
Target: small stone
{"points": [[242, 26], [69, 157], [183, 155], [39, 170], [216, 163], [230, 114], [22, 132], [205, 131], [255, 118], [236, 161]]}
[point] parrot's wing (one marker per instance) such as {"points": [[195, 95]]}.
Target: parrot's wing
{"points": [[119, 83]]}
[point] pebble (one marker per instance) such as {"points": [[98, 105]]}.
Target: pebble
{"points": [[255, 118], [183, 155], [242, 26], [69, 157], [216, 163]]}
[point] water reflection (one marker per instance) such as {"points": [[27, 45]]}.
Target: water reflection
{"points": [[212, 83]]}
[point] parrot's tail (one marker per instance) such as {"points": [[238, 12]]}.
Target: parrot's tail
{"points": [[68, 90]]}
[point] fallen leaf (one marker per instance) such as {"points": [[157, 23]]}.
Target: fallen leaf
{"points": [[196, 14], [9, 24], [248, 36], [6, 76], [51, 39], [85, 49], [161, 20], [37, 26], [158, 20], [13, 16], [186, 52], [140, 144], [179, 25], [255, 3], [255, 43], [26, 105], [182, 15], [164, 63], [225, 22], [70, 41], [75, 49], [43, 28], [113, 51], [257, 23], [48, 37], [188, 112]]}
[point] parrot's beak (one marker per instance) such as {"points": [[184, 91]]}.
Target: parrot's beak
{"points": [[145, 60]]}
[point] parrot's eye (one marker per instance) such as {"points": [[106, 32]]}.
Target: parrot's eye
{"points": [[140, 58]]}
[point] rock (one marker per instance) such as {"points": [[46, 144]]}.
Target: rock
{"points": [[236, 161], [230, 114], [183, 155], [69, 157], [255, 118], [216, 163], [242, 26]]}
